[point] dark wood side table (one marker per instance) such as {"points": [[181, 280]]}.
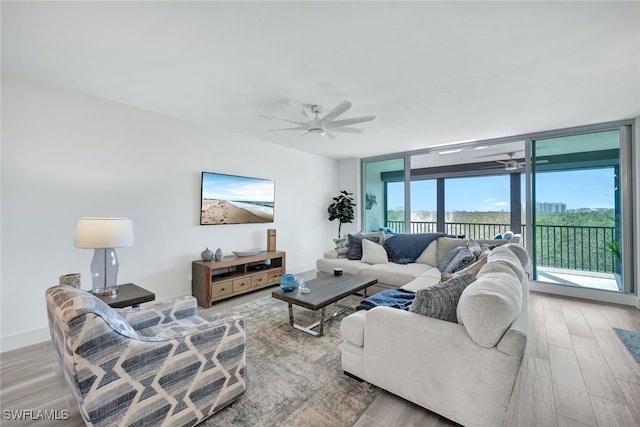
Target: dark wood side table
{"points": [[128, 295]]}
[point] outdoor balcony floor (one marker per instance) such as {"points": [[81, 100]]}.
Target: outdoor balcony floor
{"points": [[585, 279]]}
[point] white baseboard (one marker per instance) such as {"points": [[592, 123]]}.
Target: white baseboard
{"points": [[24, 339]]}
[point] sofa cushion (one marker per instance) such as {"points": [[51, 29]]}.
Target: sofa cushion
{"points": [[373, 253], [422, 281], [440, 301], [505, 255], [355, 243], [445, 244], [350, 267], [488, 306], [394, 274]]}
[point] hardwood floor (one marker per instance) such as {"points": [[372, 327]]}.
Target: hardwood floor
{"points": [[575, 372]]}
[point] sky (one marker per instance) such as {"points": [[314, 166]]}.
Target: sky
{"points": [[230, 187], [592, 188]]}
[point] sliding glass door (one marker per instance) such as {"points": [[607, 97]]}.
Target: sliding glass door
{"points": [[577, 210]]}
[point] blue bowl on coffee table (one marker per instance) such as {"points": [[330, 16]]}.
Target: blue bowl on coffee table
{"points": [[288, 282]]}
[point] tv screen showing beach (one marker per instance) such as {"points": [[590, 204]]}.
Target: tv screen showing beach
{"points": [[231, 199]]}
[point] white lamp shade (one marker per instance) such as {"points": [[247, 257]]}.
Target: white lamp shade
{"points": [[103, 233]]}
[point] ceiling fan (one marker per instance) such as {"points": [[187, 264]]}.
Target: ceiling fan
{"points": [[325, 125], [511, 164]]}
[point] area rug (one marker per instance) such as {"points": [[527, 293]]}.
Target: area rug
{"points": [[631, 340], [293, 378]]}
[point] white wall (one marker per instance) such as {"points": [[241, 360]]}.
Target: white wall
{"points": [[66, 155], [349, 180]]}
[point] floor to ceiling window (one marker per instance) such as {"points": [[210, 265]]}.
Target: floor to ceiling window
{"points": [[567, 192], [577, 215], [478, 207]]}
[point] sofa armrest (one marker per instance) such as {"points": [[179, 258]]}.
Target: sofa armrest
{"points": [[432, 363], [159, 312], [331, 254], [352, 328]]}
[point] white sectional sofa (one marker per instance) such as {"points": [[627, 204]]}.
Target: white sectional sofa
{"points": [[391, 275], [463, 371]]}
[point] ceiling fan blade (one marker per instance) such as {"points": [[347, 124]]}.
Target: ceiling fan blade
{"points": [[327, 134], [347, 130], [346, 122], [501, 161], [302, 108], [339, 109], [284, 120], [295, 128]]}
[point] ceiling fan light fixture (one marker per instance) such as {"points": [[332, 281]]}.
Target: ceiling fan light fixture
{"points": [[511, 166], [325, 125]]}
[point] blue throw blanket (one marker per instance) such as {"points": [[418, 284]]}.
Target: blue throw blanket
{"points": [[397, 298], [406, 248]]}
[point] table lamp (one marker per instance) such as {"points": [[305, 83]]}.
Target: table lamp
{"points": [[104, 235]]}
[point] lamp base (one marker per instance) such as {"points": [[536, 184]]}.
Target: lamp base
{"points": [[104, 270], [108, 291]]}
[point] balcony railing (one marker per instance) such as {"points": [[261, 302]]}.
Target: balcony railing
{"points": [[584, 248]]}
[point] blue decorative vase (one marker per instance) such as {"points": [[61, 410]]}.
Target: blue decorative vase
{"points": [[288, 282], [207, 255]]}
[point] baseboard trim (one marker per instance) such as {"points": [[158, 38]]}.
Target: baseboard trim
{"points": [[23, 339]]}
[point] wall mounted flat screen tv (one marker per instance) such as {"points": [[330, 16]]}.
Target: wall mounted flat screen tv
{"points": [[232, 199]]}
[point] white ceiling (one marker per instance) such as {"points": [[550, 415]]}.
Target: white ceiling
{"points": [[432, 72]]}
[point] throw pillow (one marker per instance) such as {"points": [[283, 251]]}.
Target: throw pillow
{"points": [[448, 257], [472, 268], [341, 247], [355, 245], [441, 301], [373, 253], [462, 259], [474, 247]]}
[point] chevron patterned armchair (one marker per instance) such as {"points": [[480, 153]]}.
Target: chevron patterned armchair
{"points": [[155, 365]]}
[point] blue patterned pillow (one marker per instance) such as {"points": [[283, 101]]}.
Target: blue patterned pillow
{"points": [[447, 258], [462, 259]]}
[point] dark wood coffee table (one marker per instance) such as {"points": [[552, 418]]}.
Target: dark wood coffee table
{"points": [[324, 290]]}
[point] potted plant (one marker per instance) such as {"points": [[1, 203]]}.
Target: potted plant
{"points": [[342, 209]]}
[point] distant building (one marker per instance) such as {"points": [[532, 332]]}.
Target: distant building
{"points": [[547, 207]]}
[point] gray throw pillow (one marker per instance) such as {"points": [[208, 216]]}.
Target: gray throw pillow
{"points": [[463, 258], [341, 247], [355, 245], [447, 258], [441, 301]]}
